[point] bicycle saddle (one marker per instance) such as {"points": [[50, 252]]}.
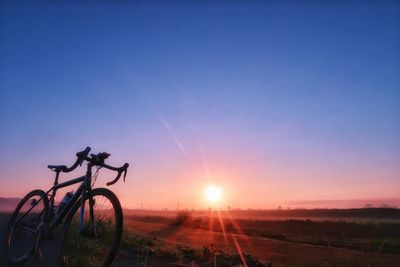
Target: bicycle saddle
{"points": [[57, 168]]}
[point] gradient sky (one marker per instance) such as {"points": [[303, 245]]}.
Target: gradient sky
{"points": [[273, 102]]}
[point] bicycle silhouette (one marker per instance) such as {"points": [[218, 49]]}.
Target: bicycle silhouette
{"points": [[91, 219]]}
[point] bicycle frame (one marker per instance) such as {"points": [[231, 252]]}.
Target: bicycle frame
{"points": [[53, 219], [83, 189]]}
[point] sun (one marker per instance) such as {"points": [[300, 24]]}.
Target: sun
{"points": [[213, 193]]}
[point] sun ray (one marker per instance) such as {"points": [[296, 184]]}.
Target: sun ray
{"points": [[221, 222], [239, 250], [211, 227], [238, 229]]}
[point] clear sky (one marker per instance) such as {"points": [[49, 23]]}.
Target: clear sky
{"points": [[271, 102]]}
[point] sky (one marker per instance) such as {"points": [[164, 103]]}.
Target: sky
{"points": [[272, 102]]}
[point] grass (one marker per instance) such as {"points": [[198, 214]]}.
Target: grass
{"points": [[179, 241], [371, 236], [149, 250], [290, 242], [85, 250]]}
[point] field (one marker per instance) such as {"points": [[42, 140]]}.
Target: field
{"points": [[359, 237], [356, 237]]}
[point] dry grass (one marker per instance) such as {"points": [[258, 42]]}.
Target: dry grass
{"points": [[283, 242]]}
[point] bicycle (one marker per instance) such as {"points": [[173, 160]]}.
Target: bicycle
{"points": [[89, 237]]}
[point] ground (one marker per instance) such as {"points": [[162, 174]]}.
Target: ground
{"points": [[229, 238]]}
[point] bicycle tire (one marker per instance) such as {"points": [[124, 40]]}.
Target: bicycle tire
{"points": [[7, 240]]}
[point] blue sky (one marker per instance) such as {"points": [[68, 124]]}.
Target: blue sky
{"points": [[285, 95]]}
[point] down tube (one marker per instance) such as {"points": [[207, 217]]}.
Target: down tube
{"points": [[68, 208]]}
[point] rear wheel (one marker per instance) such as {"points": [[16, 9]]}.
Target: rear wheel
{"points": [[24, 229], [97, 243]]}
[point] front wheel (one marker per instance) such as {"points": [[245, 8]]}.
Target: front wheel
{"points": [[96, 243]]}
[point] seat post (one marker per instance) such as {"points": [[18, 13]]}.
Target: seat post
{"points": [[56, 179]]}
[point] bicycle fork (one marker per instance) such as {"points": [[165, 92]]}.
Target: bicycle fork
{"points": [[87, 194]]}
